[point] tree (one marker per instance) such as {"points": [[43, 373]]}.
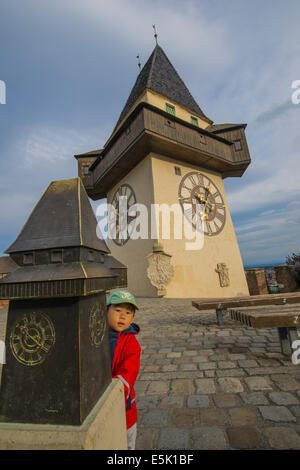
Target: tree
{"points": [[294, 260]]}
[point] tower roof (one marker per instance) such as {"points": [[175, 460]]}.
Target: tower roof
{"points": [[159, 75], [63, 217]]}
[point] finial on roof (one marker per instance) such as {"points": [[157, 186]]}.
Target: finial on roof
{"points": [[155, 34], [139, 64]]}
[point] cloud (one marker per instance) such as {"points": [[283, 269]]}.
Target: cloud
{"points": [[276, 111], [38, 156], [269, 236]]}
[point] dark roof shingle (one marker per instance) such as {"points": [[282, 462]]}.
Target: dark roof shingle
{"points": [[159, 75]]}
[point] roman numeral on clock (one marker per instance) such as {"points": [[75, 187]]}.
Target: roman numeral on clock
{"points": [[220, 217]]}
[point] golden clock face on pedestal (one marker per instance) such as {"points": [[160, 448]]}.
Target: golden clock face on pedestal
{"points": [[97, 325], [32, 337], [203, 199]]}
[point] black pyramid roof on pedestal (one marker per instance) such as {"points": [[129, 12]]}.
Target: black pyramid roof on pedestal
{"points": [[63, 217]]}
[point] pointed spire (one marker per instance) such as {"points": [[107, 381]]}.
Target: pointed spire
{"points": [[155, 34], [139, 64], [159, 75]]}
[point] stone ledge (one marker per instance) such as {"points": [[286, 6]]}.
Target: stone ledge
{"points": [[103, 429]]}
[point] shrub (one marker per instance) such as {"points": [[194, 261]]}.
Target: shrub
{"points": [[294, 260]]}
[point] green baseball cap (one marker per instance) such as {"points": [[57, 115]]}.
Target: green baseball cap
{"points": [[121, 296]]}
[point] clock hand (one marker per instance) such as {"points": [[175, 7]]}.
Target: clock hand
{"points": [[33, 338]]}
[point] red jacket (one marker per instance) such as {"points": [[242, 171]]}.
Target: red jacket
{"points": [[125, 355]]}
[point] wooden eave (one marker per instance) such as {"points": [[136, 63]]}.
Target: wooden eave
{"points": [[108, 170]]}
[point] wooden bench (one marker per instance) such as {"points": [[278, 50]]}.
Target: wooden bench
{"points": [[286, 318], [281, 311]]}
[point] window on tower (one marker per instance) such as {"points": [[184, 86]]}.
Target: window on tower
{"points": [[56, 256], [28, 258], [237, 145], [86, 170], [170, 109], [194, 121]]}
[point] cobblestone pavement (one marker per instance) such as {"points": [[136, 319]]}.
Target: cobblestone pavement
{"points": [[202, 386]]}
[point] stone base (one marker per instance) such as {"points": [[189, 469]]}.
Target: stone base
{"points": [[103, 429], [256, 280]]}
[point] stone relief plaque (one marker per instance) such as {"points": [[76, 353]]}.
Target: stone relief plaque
{"points": [[160, 270]]}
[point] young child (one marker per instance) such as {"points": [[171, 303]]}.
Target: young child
{"points": [[124, 352]]}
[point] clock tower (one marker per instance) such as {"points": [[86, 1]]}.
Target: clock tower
{"points": [[166, 157]]}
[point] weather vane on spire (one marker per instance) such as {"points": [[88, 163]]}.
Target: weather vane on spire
{"points": [[139, 64], [155, 33]]}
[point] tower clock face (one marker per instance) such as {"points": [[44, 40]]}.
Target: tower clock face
{"points": [[203, 199], [32, 338], [119, 220]]}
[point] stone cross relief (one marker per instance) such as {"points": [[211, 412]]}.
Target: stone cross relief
{"points": [[222, 270]]}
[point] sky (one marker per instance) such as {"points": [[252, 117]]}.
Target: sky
{"points": [[69, 66]]}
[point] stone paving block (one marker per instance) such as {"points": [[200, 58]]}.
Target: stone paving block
{"points": [[277, 413], [158, 356], [254, 398], [231, 373], [205, 386], [286, 382], [197, 359], [267, 370], [258, 383], [162, 362], [151, 368], [174, 438], [226, 365], [283, 398], [183, 417], [207, 438], [182, 387], [169, 368], [188, 366], [247, 363], [236, 357], [190, 353], [213, 416], [154, 418], [217, 357], [239, 350], [174, 354], [242, 416], [282, 438], [158, 387], [243, 437], [209, 373], [198, 401], [146, 438], [146, 402], [226, 400], [230, 385], [172, 401], [207, 365], [296, 410], [268, 362]]}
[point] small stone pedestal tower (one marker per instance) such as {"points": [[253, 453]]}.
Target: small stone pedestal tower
{"points": [[57, 352]]}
